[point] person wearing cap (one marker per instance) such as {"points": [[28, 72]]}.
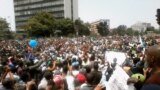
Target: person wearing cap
{"points": [[79, 80], [58, 80]]}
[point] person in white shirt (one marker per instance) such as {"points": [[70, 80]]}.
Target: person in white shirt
{"points": [[43, 83], [69, 78]]}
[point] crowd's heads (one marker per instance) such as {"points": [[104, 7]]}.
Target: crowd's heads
{"points": [[51, 85], [88, 69], [48, 75], [25, 76], [58, 80], [9, 84], [65, 69], [81, 78], [90, 78], [95, 66]]}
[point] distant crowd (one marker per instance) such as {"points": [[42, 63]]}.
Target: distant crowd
{"points": [[76, 63]]}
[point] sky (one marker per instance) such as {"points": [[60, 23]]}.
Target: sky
{"points": [[120, 12]]}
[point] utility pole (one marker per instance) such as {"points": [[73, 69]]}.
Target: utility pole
{"points": [[72, 10]]}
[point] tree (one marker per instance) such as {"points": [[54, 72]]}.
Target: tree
{"points": [[129, 32], [136, 33], [103, 29], [42, 24], [77, 26], [114, 31], [150, 29], [65, 26], [81, 28], [158, 16], [86, 30], [4, 26], [4, 29], [121, 30]]}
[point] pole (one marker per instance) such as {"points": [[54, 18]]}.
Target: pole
{"points": [[72, 9]]}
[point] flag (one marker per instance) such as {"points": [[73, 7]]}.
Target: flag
{"points": [[141, 41]]}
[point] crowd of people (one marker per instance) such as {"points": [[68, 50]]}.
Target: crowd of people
{"points": [[76, 63]]}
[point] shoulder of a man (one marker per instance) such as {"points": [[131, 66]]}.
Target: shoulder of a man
{"points": [[151, 87]]}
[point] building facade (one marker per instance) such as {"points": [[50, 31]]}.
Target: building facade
{"points": [[93, 27], [24, 9], [140, 26]]}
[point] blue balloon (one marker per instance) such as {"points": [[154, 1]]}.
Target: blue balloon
{"points": [[33, 43]]}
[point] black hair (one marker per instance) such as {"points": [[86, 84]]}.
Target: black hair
{"points": [[48, 75], [20, 63], [14, 70], [74, 60], [33, 87], [25, 76], [65, 69], [88, 69], [97, 77], [29, 63], [90, 78], [65, 62], [92, 57], [80, 61], [76, 67], [4, 62], [8, 84], [52, 84], [136, 60], [95, 66]]}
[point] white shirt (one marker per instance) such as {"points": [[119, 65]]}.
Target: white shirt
{"points": [[42, 84], [70, 82], [86, 63], [75, 72]]}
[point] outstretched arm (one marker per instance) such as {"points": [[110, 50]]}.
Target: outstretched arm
{"points": [[36, 65]]}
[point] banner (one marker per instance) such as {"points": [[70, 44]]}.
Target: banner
{"points": [[111, 55], [118, 80]]}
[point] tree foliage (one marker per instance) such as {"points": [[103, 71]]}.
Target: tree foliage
{"points": [[65, 26], [42, 24], [129, 32], [123, 30], [158, 16], [120, 30], [81, 27], [5, 32], [151, 30], [103, 29], [4, 26]]}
